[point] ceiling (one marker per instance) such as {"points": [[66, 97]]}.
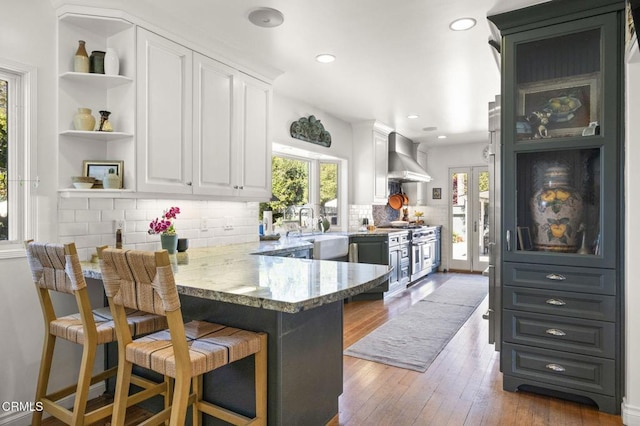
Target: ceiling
{"points": [[394, 57]]}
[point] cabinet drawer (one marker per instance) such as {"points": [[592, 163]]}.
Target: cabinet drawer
{"points": [[559, 368], [580, 305], [587, 337], [566, 278]]}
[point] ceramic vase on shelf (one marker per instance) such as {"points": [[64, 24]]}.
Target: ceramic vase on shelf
{"points": [[111, 180], [111, 62], [105, 124], [81, 59], [169, 242], [556, 210], [83, 120], [96, 62]]}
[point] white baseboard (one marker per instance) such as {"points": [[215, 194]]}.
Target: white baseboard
{"points": [[23, 418], [630, 414]]}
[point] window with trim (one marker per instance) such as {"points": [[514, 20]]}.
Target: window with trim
{"points": [[298, 181], [16, 209]]}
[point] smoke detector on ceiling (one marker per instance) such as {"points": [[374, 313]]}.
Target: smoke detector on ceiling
{"points": [[266, 17]]}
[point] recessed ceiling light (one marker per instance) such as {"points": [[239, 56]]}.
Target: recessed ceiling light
{"points": [[325, 58], [429, 128], [462, 24], [266, 17], [442, 137], [413, 116]]}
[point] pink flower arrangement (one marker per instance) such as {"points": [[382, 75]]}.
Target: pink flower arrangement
{"points": [[164, 224]]}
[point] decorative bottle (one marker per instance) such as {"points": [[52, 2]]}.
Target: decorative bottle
{"points": [[81, 59], [83, 120], [556, 210], [111, 62], [105, 124]]}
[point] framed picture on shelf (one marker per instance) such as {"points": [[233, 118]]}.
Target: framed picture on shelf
{"points": [[99, 169], [436, 193], [560, 107], [524, 238]]}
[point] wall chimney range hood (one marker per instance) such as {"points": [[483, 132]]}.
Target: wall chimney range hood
{"points": [[402, 166]]}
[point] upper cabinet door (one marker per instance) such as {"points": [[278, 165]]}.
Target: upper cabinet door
{"points": [[255, 156], [561, 130], [381, 167], [215, 147], [164, 153]]}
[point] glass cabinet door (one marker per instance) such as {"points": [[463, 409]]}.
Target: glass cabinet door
{"points": [[560, 143]]}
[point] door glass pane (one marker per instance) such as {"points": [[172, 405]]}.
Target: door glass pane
{"points": [[460, 219], [558, 85], [559, 201], [483, 216], [329, 192]]}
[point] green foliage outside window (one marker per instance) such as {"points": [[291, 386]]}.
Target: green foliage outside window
{"points": [[289, 183], [4, 142]]}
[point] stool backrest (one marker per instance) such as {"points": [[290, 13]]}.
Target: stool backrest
{"points": [[55, 266]]}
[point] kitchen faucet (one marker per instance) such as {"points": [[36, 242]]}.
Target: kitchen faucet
{"points": [[309, 209]]}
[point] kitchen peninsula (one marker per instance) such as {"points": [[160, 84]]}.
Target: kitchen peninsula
{"points": [[298, 302]]}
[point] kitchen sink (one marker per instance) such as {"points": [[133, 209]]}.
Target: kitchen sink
{"points": [[328, 246]]}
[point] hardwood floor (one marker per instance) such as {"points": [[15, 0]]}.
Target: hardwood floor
{"points": [[463, 386]]}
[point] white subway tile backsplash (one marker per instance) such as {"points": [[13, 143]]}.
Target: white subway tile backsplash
{"points": [[89, 222], [101, 203]]}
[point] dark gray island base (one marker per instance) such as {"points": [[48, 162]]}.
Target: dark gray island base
{"points": [[305, 361], [298, 302]]}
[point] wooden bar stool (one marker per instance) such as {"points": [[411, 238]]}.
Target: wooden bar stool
{"points": [[56, 267], [184, 352]]}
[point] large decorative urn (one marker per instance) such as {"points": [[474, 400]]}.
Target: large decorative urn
{"points": [[557, 212]]}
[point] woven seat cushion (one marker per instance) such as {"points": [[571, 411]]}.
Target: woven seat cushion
{"points": [[210, 346], [70, 327]]}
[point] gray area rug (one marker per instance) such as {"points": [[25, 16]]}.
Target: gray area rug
{"points": [[414, 339]]}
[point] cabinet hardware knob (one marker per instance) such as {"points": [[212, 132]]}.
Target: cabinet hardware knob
{"points": [[555, 367], [556, 302], [235, 187], [241, 187], [508, 240], [556, 277], [556, 332], [189, 183]]}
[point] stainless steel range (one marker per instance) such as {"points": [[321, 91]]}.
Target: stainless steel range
{"points": [[424, 257]]}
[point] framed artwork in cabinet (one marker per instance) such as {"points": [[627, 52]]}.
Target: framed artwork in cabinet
{"points": [[560, 107]]}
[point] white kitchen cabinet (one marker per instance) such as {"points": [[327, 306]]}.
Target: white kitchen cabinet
{"points": [[370, 158], [114, 93], [165, 91], [255, 155], [203, 127]]}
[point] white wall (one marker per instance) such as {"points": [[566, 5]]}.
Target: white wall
{"points": [[631, 406]]}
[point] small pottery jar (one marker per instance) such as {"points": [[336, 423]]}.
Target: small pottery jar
{"points": [[105, 124], [111, 62], [111, 180], [96, 62], [83, 120], [183, 244], [557, 210], [81, 59]]}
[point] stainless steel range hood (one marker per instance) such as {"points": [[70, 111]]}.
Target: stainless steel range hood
{"points": [[402, 166]]}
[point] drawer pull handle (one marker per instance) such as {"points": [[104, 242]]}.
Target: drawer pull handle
{"points": [[555, 367], [556, 277], [556, 302], [556, 332]]}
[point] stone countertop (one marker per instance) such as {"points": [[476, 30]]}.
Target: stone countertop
{"points": [[239, 274]]}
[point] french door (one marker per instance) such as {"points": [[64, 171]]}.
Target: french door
{"points": [[469, 218]]}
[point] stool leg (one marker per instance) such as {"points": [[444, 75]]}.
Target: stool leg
{"points": [[123, 380], [84, 381], [260, 360], [43, 375], [197, 389], [180, 400], [168, 396]]}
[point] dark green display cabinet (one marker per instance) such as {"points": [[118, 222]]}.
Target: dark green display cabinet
{"points": [[562, 173]]}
